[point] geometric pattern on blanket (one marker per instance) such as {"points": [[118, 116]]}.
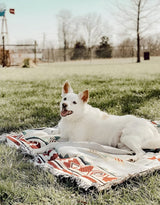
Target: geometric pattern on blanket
{"points": [[89, 168], [87, 175]]}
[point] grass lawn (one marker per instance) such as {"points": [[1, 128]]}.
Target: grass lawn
{"points": [[30, 98]]}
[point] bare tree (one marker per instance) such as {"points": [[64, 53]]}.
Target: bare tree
{"points": [[91, 30], [151, 44], [142, 15], [125, 48], [66, 31]]}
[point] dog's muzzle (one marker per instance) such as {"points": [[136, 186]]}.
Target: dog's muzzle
{"points": [[64, 111]]}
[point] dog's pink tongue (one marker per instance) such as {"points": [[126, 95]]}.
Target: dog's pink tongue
{"points": [[64, 113]]}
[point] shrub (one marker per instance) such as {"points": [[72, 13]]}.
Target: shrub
{"points": [[80, 51], [104, 50], [26, 63]]}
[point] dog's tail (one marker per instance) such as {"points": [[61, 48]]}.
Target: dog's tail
{"points": [[113, 150]]}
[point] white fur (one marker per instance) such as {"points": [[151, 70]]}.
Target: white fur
{"points": [[87, 123]]}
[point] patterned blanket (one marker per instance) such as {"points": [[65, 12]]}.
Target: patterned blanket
{"points": [[89, 164]]}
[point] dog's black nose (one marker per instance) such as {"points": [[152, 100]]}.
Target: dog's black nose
{"points": [[64, 105]]}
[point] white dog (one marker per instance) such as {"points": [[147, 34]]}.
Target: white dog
{"points": [[82, 122]]}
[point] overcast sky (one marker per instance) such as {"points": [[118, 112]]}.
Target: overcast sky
{"points": [[34, 17]]}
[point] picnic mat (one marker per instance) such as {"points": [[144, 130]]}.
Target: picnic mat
{"points": [[89, 164]]}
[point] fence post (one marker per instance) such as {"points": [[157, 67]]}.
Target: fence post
{"points": [[35, 52]]}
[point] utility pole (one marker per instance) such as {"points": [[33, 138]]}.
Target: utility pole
{"points": [[4, 37], [44, 41], [44, 46], [3, 53]]}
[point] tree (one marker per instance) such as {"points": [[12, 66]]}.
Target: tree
{"points": [[126, 48], [79, 51], [92, 30], [143, 14], [152, 44], [104, 50], [66, 31]]}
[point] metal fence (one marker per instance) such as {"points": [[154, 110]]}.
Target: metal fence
{"points": [[119, 54], [15, 54]]}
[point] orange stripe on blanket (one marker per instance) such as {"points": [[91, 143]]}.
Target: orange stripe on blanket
{"points": [[56, 167], [118, 159], [31, 145], [53, 165], [107, 179], [13, 140], [86, 169], [70, 163], [89, 178], [152, 158], [153, 122]]}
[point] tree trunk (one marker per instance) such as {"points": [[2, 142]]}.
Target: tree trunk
{"points": [[138, 49], [138, 34], [65, 50]]}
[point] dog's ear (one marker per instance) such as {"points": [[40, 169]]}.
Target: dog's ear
{"points": [[66, 88], [84, 96]]}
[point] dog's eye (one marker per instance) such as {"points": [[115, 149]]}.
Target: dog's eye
{"points": [[74, 102], [65, 99]]}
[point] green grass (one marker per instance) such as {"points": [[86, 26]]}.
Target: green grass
{"points": [[30, 98]]}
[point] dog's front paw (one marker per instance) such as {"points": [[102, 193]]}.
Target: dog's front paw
{"points": [[132, 160], [136, 157]]}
